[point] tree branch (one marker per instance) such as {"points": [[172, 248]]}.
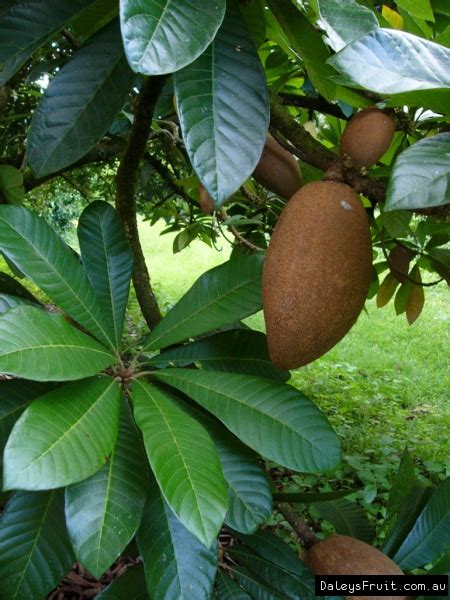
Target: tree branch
{"points": [[126, 180], [304, 532], [319, 104]]}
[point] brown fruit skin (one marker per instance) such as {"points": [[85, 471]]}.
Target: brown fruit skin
{"points": [[343, 555], [399, 263], [206, 202], [367, 137], [278, 170], [317, 272]]}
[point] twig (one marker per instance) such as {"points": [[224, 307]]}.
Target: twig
{"points": [[241, 239], [304, 532], [319, 104], [126, 181]]}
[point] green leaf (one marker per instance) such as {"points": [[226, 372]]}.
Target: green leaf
{"points": [[272, 418], [107, 260], [176, 564], [41, 346], [11, 183], [308, 44], [165, 36], [80, 103], [228, 589], [257, 589], [249, 494], [96, 16], [420, 9], [129, 586], [348, 518], [26, 26], [8, 302], [420, 176], [388, 61], [15, 396], [311, 497], [403, 484], [253, 14], [345, 22], [184, 460], [224, 109], [104, 512], [236, 350], [11, 287], [429, 539], [225, 294], [29, 242], [396, 222], [35, 551], [399, 528], [64, 436]]}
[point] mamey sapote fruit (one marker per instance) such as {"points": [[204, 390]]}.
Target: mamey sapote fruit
{"points": [[206, 202], [399, 263], [367, 137], [278, 170], [317, 272], [344, 555]]}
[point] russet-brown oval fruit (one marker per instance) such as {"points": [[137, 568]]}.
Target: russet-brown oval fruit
{"points": [[317, 272], [399, 263], [206, 202], [343, 555], [367, 137], [278, 170]]}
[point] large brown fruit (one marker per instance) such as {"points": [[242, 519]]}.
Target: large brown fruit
{"points": [[367, 137], [343, 555], [317, 272], [278, 170]]}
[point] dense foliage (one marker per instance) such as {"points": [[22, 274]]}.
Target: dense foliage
{"points": [[168, 440]]}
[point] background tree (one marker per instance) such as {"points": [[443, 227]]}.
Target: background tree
{"points": [[108, 441]]}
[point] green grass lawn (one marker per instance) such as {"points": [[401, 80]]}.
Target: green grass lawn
{"points": [[385, 386]]}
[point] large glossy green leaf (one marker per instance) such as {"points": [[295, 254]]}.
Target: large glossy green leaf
{"points": [[166, 35], [129, 586], [223, 295], [35, 551], [249, 494], [176, 564], [420, 9], [96, 16], [236, 350], [11, 287], [272, 418], [345, 21], [104, 511], [257, 589], [80, 103], [224, 110], [7, 302], [388, 61], [429, 539], [228, 589], [399, 527], [403, 484], [41, 346], [348, 518], [307, 43], [11, 183], [64, 436], [184, 461], [420, 176], [107, 260], [311, 497], [15, 396], [29, 242], [25, 26]]}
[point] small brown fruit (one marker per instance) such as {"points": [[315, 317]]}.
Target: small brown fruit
{"points": [[367, 137], [343, 555], [206, 202], [317, 272], [278, 170], [399, 263]]}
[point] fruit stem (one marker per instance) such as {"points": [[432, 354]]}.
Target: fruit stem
{"points": [[304, 532]]}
